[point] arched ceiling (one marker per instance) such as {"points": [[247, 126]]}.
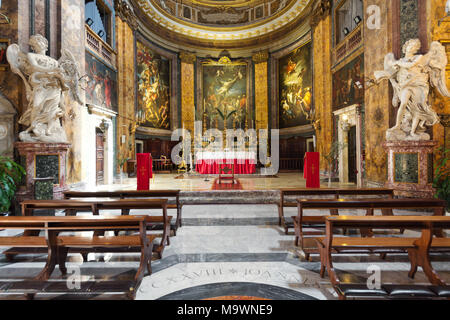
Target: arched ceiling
{"points": [[222, 24]]}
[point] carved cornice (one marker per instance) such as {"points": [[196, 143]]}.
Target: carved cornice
{"points": [[124, 11], [260, 57], [188, 57], [320, 12], [169, 29]]}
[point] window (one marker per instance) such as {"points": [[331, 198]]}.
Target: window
{"points": [[98, 18], [349, 14]]}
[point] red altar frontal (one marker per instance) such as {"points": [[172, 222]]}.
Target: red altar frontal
{"points": [[144, 170], [208, 162]]}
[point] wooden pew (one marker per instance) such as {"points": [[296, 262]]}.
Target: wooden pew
{"points": [[418, 251], [369, 205], [58, 246], [332, 192], [136, 194], [72, 206]]}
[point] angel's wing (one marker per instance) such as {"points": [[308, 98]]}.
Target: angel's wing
{"points": [[389, 69], [19, 63], [437, 61], [71, 73]]}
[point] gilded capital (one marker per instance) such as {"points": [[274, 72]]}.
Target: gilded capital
{"points": [[321, 11], [124, 11], [261, 56], [188, 57]]}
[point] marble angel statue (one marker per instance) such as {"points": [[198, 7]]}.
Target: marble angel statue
{"points": [[411, 77], [45, 81]]}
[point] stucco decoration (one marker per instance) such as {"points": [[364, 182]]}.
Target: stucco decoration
{"points": [[45, 81], [411, 77]]}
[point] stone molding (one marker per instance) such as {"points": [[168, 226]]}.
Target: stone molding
{"points": [[124, 11], [188, 57]]}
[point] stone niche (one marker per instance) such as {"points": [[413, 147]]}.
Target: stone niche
{"points": [[350, 117], [7, 114]]}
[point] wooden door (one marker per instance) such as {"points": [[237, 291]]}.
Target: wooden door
{"points": [[352, 154], [100, 154]]}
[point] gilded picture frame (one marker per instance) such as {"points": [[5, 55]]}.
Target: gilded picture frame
{"points": [[225, 94]]}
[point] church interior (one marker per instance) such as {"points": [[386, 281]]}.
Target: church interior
{"points": [[225, 149]]}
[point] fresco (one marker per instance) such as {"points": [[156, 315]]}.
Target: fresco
{"points": [[153, 90], [348, 84], [101, 89], [295, 88], [225, 96]]}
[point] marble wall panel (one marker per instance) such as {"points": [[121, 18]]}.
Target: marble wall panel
{"points": [[440, 32], [72, 38], [11, 84], [126, 89], [322, 87], [187, 96], [377, 98], [261, 96]]}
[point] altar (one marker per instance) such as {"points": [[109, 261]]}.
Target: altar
{"points": [[209, 162]]}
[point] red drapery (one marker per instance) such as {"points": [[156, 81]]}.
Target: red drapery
{"points": [[311, 169], [144, 170]]}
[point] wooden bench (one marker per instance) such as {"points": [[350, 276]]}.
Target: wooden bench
{"points": [[58, 246], [418, 251], [332, 192], [136, 194], [73, 206], [369, 205]]}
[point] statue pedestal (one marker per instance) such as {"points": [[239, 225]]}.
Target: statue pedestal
{"points": [[410, 168], [42, 160]]}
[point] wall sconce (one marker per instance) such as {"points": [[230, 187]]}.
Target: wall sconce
{"points": [[447, 11], [104, 126], [345, 125], [346, 31], [101, 33], [357, 20], [89, 22]]}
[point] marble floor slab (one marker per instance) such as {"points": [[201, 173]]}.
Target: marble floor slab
{"points": [[227, 251]]}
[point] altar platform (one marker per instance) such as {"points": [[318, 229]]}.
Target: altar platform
{"points": [[198, 182]]}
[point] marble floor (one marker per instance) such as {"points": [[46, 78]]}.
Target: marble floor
{"points": [[246, 254], [226, 250]]}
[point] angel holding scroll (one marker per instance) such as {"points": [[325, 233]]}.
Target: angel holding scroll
{"points": [[410, 78], [45, 79]]}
